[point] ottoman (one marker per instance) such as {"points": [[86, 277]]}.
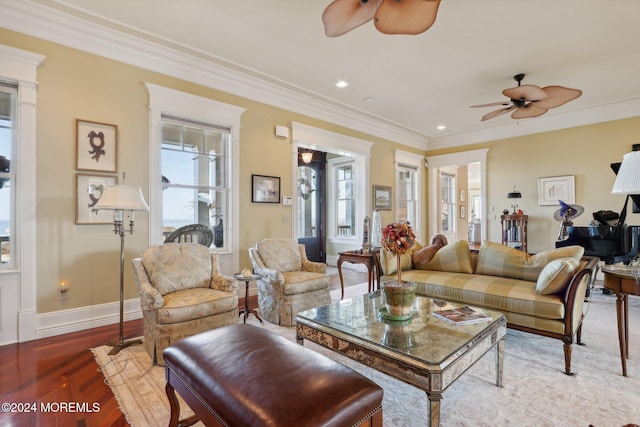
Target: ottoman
{"points": [[243, 375]]}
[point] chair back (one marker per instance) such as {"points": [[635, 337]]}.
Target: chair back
{"points": [[280, 254], [173, 267], [193, 233]]}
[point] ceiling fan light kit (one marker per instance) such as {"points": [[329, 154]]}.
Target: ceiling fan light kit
{"points": [[389, 16], [530, 100]]}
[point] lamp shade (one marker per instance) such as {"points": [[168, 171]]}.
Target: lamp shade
{"points": [[125, 197], [307, 156], [514, 194], [628, 178]]}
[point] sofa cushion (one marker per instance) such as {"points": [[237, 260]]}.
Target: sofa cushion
{"points": [[280, 254], [455, 258], [389, 261], [496, 259], [556, 275], [175, 266]]}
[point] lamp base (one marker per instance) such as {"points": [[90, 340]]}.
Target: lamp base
{"points": [[120, 344]]}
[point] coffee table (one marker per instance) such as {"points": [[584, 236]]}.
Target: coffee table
{"points": [[426, 352]]}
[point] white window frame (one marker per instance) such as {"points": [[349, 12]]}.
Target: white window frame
{"points": [[181, 104], [405, 159], [332, 214]]}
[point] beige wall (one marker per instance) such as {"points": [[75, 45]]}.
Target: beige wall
{"points": [[75, 84], [584, 152]]}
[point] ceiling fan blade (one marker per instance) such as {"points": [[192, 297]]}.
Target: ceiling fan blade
{"points": [[342, 16], [525, 93], [528, 111], [497, 113], [557, 96], [493, 104], [406, 16]]}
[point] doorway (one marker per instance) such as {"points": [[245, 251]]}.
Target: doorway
{"points": [[311, 211]]}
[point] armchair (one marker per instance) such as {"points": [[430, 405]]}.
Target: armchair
{"points": [[289, 282], [182, 293]]}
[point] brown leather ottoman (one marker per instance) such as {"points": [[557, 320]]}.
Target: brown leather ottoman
{"points": [[243, 375]]}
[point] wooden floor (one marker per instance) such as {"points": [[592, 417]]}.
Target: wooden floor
{"points": [[56, 381]]}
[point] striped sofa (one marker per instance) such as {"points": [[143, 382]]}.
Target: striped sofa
{"points": [[542, 293]]}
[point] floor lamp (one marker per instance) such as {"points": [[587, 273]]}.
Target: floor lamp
{"points": [[122, 200]]}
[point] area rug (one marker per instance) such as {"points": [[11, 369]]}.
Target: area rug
{"points": [[536, 392]]}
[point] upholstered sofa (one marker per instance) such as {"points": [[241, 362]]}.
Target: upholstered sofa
{"points": [[182, 293], [289, 282], [542, 294]]}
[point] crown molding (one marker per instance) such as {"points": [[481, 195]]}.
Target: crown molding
{"points": [[562, 120], [40, 21]]}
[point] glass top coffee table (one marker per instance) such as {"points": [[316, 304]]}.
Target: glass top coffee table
{"points": [[425, 351]]}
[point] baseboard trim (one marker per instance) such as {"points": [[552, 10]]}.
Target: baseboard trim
{"points": [[78, 319]]}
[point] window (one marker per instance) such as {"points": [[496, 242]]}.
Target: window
{"points": [[345, 199], [7, 173], [195, 179], [407, 194], [448, 201]]}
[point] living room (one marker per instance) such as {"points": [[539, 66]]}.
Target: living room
{"points": [[98, 82]]}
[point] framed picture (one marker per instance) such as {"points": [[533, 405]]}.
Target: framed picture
{"points": [[89, 189], [463, 197], [265, 189], [381, 197], [551, 189], [463, 211], [96, 146]]}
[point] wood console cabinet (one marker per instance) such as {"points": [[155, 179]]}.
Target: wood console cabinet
{"points": [[514, 231]]}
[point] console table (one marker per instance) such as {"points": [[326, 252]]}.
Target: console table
{"points": [[622, 281], [371, 259]]}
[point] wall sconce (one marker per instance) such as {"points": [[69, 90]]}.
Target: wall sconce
{"points": [[63, 290], [307, 156]]}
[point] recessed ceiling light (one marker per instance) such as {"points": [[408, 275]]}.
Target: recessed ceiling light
{"points": [[342, 84], [441, 127], [368, 99]]}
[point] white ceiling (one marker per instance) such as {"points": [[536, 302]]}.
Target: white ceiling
{"points": [[416, 82]]}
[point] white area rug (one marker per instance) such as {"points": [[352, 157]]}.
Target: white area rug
{"points": [[536, 392]]}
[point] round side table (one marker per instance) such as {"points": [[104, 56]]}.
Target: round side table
{"points": [[246, 310]]}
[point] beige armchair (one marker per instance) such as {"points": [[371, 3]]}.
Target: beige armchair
{"points": [[182, 293], [289, 282]]}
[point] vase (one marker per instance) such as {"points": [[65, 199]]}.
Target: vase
{"points": [[398, 335], [399, 297]]}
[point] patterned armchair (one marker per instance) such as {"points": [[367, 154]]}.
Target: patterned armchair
{"points": [[289, 282], [182, 293]]}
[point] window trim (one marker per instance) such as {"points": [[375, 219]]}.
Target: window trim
{"points": [[412, 161], [191, 107]]}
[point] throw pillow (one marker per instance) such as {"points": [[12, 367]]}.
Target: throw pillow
{"points": [[389, 261], [423, 256], [556, 275], [453, 258], [172, 267], [500, 260]]}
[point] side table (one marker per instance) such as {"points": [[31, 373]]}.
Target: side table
{"points": [[246, 310], [622, 281], [371, 259]]}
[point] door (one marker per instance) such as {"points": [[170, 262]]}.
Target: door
{"points": [[311, 214]]}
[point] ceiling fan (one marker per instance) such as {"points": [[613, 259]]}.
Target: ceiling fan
{"points": [[530, 100], [390, 16]]}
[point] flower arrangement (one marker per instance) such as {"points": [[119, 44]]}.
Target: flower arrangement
{"points": [[398, 238]]}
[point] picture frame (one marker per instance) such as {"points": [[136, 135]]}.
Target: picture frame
{"points": [[265, 189], [463, 211], [85, 200], [96, 146], [551, 189], [381, 197], [463, 196]]}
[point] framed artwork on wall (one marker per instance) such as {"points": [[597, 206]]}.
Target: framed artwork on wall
{"points": [[265, 189], [381, 197], [463, 211], [89, 189], [96, 146], [551, 189]]}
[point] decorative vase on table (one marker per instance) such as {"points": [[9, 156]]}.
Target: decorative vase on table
{"points": [[398, 238]]}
